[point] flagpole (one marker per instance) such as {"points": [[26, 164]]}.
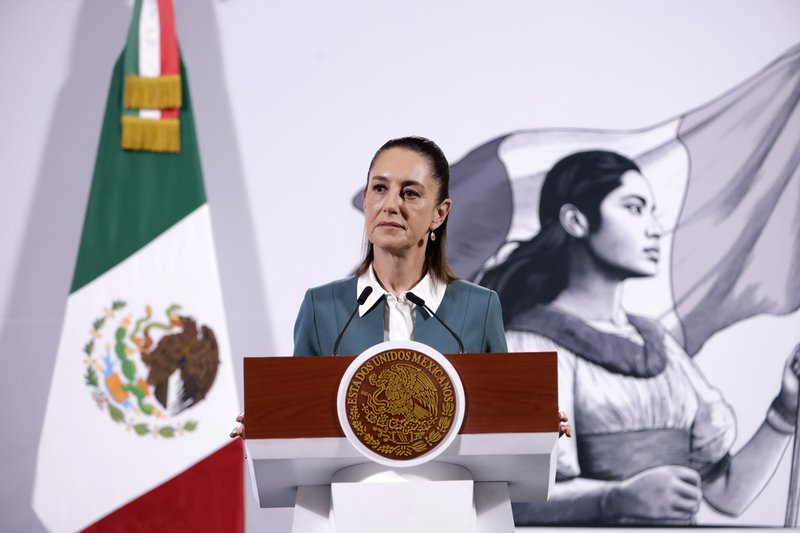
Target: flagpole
{"points": [[794, 479]]}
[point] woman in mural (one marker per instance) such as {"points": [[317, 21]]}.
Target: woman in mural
{"points": [[652, 437]]}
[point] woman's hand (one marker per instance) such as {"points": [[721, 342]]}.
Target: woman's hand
{"points": [[563, 425], [789, 383], [238, 431], [660, 493]]}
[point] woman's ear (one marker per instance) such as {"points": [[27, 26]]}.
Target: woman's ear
{"points": [[573, 221], [441, 213]]}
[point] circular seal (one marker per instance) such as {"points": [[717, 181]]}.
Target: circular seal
{"points": [[400, 403]]}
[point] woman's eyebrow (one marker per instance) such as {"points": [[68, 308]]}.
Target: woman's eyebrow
{"points": [[403, 183], [635, 197]]}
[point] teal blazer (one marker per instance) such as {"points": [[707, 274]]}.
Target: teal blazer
{"points": [[470, 310]]}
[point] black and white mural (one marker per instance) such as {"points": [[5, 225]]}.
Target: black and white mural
{"points": [[627, 252]]}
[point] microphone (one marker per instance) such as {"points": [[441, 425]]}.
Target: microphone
{"points": [[361, 299], [420, 302]]}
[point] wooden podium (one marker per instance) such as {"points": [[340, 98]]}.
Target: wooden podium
{"points": [[505, 450]]}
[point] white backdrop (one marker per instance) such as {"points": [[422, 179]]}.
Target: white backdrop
{"points": [[291, 100]]}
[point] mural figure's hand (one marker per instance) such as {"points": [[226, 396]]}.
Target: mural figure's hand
{"points": [[659, 493], [563, 425], [238, 431], [789, 383]]}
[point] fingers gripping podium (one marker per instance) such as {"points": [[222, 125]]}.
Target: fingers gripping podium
{"points": [[303, 450]]}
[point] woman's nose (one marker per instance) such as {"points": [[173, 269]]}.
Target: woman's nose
{"points": [[655, 229], [391, 201]]}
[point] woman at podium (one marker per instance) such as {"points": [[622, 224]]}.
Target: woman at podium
{"points": [[653, 437], [404, 277]]}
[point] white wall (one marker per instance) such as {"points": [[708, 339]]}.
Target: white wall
{"points": [[291, 100]]}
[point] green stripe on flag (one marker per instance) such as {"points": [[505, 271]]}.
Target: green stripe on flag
{"points": [[135, 196], [130, 55]]}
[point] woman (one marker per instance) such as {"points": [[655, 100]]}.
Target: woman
{"points": [[406, 203], [653, 438]]}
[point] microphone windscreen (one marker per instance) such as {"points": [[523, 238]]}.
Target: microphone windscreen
{"points": [[414, 299], [364, 295]]}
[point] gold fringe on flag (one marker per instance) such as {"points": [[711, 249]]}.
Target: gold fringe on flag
{"points": [[153, 93], [151, 135]]}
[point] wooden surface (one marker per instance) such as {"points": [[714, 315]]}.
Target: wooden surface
{"points": [[295, 397]]}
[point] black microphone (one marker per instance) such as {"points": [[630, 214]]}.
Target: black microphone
{"points": [[420, 302], [361, 299]]}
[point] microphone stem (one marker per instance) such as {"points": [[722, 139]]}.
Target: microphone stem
{"points": [[453, 333]]}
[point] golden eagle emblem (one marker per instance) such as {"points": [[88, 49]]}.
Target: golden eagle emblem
{"points": [[400, 403], [404, 390]]}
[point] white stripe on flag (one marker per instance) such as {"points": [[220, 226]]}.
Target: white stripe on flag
{"points": [[149, 48], [108, 464]]}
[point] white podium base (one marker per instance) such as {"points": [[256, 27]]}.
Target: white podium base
{"points": [[526, 460], [433, 497]]}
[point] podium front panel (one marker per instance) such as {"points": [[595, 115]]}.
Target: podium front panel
{"points": [[295, 397]]}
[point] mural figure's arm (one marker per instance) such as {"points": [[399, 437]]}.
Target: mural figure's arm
{"points": [[753, 466]]}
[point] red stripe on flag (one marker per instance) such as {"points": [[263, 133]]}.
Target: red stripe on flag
{"points": [[169, 42], [170, 60], [209, 496]]}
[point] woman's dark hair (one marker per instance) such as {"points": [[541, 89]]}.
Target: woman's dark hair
{"points": [[537, 270], [435, 252]]}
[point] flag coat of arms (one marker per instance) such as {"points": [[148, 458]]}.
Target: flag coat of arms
{"points": [[135, 435]]}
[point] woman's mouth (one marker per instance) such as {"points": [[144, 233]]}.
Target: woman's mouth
{"points": [[389, 225], [653, 254]]}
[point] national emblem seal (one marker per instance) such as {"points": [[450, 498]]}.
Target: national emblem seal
{"points": [[146, 370], [401, 401]]}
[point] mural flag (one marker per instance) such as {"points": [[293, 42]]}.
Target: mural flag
{"points": [[135, 434], [726, 178], [736, 251]]}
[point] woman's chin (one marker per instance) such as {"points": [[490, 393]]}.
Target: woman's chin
{"points": [[645, 271], [391, 247]]}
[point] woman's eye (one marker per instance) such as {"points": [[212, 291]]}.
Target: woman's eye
{"points": [[410, 194], [379, 187], [636, 209]]}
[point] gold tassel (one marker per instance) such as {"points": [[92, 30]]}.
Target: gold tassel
{"points": [[153, 93], [151, 135]]}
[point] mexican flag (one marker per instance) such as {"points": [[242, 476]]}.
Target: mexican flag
{"points": [[135, 435]]}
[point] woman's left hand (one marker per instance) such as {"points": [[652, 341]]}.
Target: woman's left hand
{"points": [[563, 425]]}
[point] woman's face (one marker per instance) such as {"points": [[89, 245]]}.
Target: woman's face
{"points": [[628, 238], [400, 202]]}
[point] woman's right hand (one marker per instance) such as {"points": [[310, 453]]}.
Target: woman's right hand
{"points": [[238, 431], [659, 493], [789, 383]]}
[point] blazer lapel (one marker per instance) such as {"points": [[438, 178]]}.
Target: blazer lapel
{"points": [[363, 332], [428, 330]]}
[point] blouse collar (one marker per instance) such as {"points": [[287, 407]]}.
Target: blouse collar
{"points": [[427, 288]]}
